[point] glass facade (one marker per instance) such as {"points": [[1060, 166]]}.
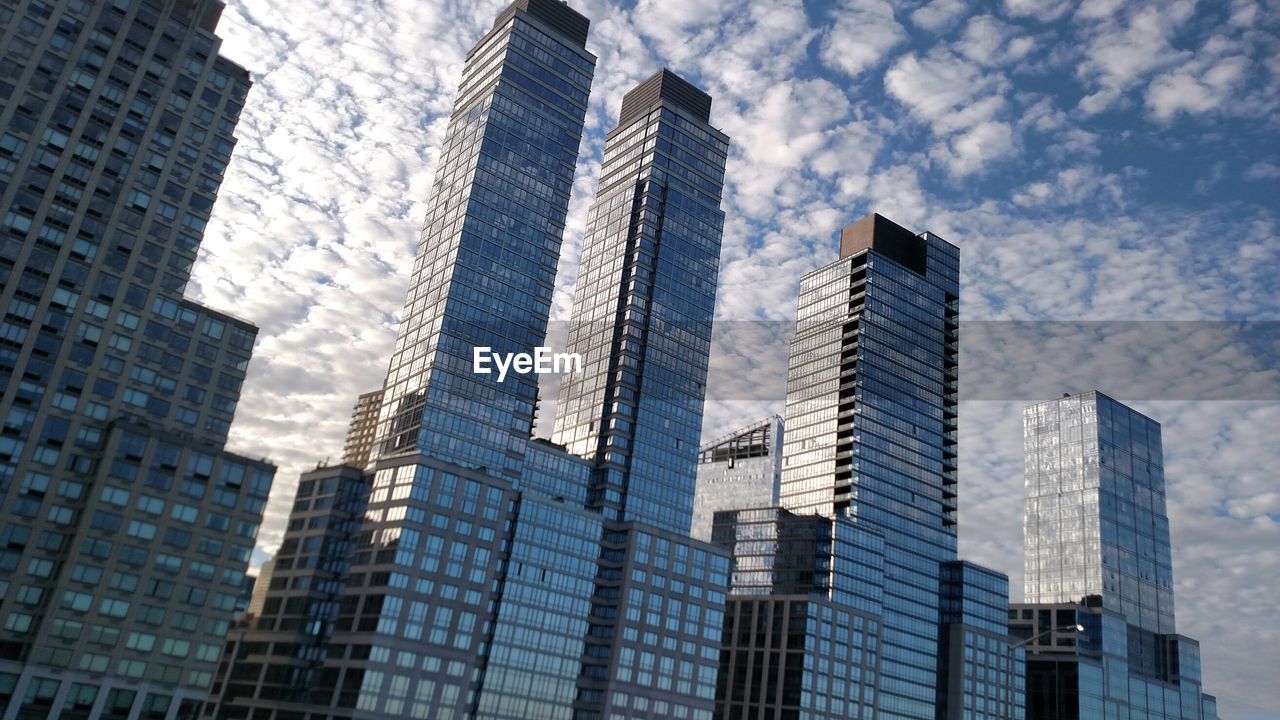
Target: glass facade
{"points": [[980, 670], [653, 643], [484, 581], [1095, 509], [1103, 672], [797, 657], [871, 428], [454, 571], [741, 470], [804, 616], [1098, 555], [541, 625], [486, 265], [127, 527], [642, 310], [423, 593]]}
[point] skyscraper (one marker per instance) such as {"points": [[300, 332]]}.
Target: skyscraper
{"points": [[1093, 467], [981, 670], [740, 470], [483, 577], [495, 217], [868, 480], [642, 312], [642, 325], [804, 617], [127, 527], [453, 561], [1098, 555], [871, 427]]}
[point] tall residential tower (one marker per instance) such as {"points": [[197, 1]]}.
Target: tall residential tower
{"points": [[126, 527], [486, 264], [642, 312], [871, 427], [642, 325], [439, 548], [870, 450]]}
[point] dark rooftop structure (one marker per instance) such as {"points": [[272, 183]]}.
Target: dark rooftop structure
{"points": [[665, 85], [876, 232], [555, 14]]}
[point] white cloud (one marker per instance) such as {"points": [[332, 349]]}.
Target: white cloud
{"points": [[1075, 144], [1072, 186], [896, 193], [1262, 170], [1040, 114], [971, 150], [776, 138], [667, 16], [1098, 9], [939, 15], [760, 45], [1210, 81], [1244, 13], [939, 85], [988, 41], [863, 33], [1042, 10], [961, 102], [1120, 56]]}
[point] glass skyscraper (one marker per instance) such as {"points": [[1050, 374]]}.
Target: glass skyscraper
{"points": [[482, 579], [642, 311], [486, 264], [126, 526], [980, 668], [642, 325], [1098, 554], [452, 564], [871, 427], [1095, 521], [868, 490]]}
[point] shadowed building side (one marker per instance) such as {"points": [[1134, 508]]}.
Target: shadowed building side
{"points": [[128, 526]]}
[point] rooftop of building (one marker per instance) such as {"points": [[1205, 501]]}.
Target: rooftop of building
{"points": [[556, 15], [665, 85]]}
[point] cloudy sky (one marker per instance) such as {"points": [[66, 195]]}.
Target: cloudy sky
{"points": [[1096, 162]]}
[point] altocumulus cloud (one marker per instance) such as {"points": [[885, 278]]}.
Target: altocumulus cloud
{"points": [[1059, 144]]}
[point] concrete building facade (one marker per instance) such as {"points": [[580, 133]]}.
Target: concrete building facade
{"points": [[127, 526]]}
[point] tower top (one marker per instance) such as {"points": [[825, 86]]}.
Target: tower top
{"points": [[876, 232], [555, 14], [665, 85]]}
